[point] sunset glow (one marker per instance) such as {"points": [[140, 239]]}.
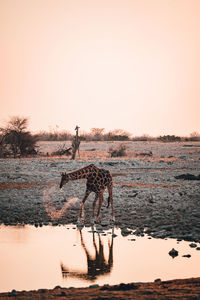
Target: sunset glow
{"points": [[110, 64]]}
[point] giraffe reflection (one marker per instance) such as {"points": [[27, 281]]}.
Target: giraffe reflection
{"points": [[96, 265]]}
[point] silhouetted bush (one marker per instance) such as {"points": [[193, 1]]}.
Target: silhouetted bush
{"points": [[169, 138], [16, 140], [117, 135], [143, 138], [194, 137], [54, 136]]}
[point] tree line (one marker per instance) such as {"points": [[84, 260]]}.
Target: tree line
{"points": [[16, 140]]}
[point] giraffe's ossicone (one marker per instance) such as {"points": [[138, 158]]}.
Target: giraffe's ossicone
{"points": [[97, 181]]}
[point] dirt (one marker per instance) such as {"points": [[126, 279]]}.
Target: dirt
{"points": [[173, 289], [147, 196]]}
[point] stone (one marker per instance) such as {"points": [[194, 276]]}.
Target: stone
{"points": [[125, 232], [93, 286], [104, 223], [173, 253], [57, 287], [114, 235], [193, 245], [13, 293]]}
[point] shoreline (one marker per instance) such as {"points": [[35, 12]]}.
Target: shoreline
{"points": [[173, 289]]}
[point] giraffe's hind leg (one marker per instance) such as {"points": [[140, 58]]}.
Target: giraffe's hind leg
{"points": [[100, 204], [110, 200], [94, 205]]}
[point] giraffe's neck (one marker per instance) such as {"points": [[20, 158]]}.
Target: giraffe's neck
{"points": [[81, 173]]}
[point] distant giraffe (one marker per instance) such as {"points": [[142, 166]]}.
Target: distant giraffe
{"points": [[97, 181]]}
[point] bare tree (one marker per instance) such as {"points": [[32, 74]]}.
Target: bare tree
{"points": [[97, 133]]}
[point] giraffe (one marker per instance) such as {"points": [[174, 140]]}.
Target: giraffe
{"points": [[97, 181]]}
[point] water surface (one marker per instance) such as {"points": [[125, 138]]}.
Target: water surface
{"points": [[33, 258]]}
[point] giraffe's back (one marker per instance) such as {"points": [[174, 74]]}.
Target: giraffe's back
{"points": [[98, 180]]}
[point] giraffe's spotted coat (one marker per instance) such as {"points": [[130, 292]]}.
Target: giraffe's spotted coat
{"points": [[97, 181]]}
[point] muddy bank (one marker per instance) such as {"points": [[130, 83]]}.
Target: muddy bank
{"points": [[173, 289], [147, 196]]}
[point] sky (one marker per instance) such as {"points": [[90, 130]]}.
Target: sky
{"points": [[113, 64]]}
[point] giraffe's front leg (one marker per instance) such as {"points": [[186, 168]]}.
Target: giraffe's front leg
{"points": [[81, 213]]}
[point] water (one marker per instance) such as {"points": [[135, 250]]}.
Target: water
{"points": [[33, 258]]}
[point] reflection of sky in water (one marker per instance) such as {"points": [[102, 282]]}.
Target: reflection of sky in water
{"points": [[33, 258]]}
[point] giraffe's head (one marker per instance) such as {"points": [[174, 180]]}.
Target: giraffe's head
{"points": [[64, 179]]}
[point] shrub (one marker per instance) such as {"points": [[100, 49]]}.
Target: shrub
{"points": [[118, 152], [169, 138], [15, 140]]}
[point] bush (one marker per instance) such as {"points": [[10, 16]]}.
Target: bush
{"points": [[15, 140], [118, 152], [54, 136], [169, 138]]}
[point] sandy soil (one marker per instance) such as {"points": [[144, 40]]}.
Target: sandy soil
{"points": [[175, 289]]}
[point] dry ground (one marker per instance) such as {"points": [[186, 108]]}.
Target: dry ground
{"points": [[174, 289]]}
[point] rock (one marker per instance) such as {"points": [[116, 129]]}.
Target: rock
{"points": [[173, 253], [157, 280], [93, 286], [188, 176], [198, 248], [99, 228], [193, 245], [114, 235], [57, 287], [125, 231], [138, 232], [104, 223], [160, 234], [55, 223], [12, 293], [63, 293], [187, 255], [123, 287]]}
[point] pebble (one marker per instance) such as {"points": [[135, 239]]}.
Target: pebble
{"points": [[193, 245], [93, 286], [173, 253], [125, 232]]}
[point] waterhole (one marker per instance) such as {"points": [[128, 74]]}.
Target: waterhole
{"points": [[33, 258]]}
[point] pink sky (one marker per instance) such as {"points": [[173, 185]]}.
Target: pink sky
{"points": [[129, 64]]}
